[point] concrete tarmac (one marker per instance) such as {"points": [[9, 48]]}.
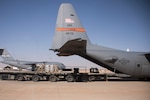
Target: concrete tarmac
{"points": [[102, 90]]}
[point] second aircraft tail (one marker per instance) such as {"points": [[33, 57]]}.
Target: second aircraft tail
{"points": [[5, 55]]}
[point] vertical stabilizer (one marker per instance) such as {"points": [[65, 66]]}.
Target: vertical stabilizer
{"points": [[68, 27], [5, 55]]}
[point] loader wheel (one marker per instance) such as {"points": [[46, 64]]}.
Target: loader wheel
{"points": [[84, 78], [69, 78], [92, 78], [36, 78], [20, 77], [53, 78]]}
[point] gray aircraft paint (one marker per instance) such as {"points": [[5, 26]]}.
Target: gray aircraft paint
{"points": [[70, 38], [8, 59]]}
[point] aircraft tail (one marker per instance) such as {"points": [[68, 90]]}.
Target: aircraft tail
{"points": [[70, 36], [5, 55]]}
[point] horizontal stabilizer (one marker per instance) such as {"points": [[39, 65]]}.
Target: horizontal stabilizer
{"points": [[72, 47]]}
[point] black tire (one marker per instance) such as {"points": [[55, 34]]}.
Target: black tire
{"points": [[4, 77], [84, 78], [20, 77], [70, 78], [53, 78], [36, 78], [105, 78], [92, 78]]}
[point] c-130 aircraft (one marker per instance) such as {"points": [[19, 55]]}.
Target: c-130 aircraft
{"points": [[70, 38]]}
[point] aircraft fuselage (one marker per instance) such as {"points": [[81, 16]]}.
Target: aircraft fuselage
{"points": [[132, 63]]}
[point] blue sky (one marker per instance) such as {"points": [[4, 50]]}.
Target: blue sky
{"points": [[27, 27]]}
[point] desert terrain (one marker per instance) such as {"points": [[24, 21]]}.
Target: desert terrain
{"points": [[100, 90]]}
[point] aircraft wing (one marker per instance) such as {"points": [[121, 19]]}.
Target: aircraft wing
{"points": [[30, 63]]}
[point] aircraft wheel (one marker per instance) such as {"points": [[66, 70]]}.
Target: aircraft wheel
{"points": [[20, 77], [53, 78], [36, 78], [69, 78]]}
